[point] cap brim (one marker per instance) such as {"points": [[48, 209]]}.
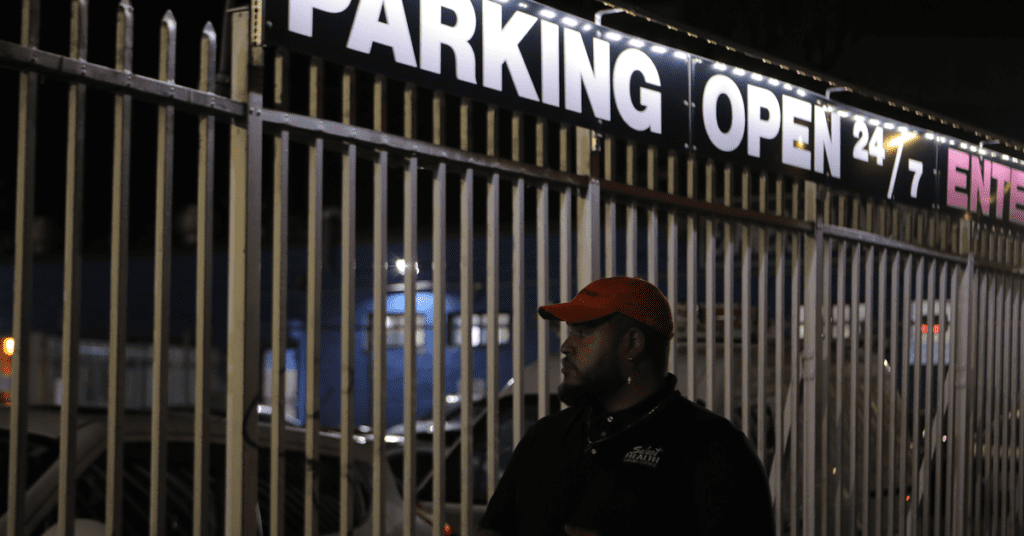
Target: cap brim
{"points": [[572, 312]]}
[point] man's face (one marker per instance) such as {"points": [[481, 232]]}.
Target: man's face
{"points": [[590, 362]]}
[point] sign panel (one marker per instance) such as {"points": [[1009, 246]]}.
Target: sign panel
{"points": [[521, 55], [529, 57], [979, 181], [773, 125]]}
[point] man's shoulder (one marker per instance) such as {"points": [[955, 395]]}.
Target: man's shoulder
{"points": [[698, 425]]}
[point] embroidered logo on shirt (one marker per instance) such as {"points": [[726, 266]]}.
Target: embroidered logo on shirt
{"points": [[643, 456]]}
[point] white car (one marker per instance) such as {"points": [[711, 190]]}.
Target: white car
{"points": [[90, 464]]}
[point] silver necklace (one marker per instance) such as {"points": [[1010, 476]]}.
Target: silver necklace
{"points": [[590, 410]]}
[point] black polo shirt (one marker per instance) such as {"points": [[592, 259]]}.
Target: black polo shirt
{"points": [[663, 466]]}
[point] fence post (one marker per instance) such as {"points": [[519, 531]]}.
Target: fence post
{"points": [[813, 266], [961, 407], [243, 367]]}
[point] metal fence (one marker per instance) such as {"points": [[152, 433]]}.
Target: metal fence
{"points": [[871, 352]]}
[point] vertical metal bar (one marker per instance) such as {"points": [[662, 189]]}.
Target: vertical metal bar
{"points": [[855, 292], [652, 218], [672, 258], [1018, 403], [839, 324], [728, 299], [314, 284], [518, 309], [610, 223], [916, 390], [989, 483], [201, 494], [949, 351], [121, 177], [631, 212], [279, 316], [780, 262], [588, 231], [440, 270], [543, 297], [977, 465], [466, 291], [1016, 442], [493, 237], [1000, 387], [880, 360], [799, 456], [245, 194], [17, 463], [410, 349], [927, 349], [691, 281], [869, 286], [378, 382], [564, 260], [314, 287], [812, 266], [162, 280], [961, 443], [762, 325], [465, 124], [895, 357], [825, 449], [71, 322], [709, 291], [745, 335], [904, 360], [937, 438], [346, 422]]}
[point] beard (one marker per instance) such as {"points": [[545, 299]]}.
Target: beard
{"points": [[590, 387]]}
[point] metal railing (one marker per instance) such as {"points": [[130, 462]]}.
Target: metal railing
{"points": [[832, 402]]}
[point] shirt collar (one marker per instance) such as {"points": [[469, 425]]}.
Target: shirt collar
{"points": [[618, 419]]}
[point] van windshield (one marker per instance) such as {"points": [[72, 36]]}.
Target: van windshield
{"points": [[42, 453]]}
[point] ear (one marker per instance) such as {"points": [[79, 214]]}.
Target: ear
{"points": [[634, 342]]}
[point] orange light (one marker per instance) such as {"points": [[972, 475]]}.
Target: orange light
{"points": [[924, 328], [447, 530], [6, 397], [908, 498], [8, 344], [935, 328]]}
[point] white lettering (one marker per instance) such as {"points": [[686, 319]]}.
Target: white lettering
{"points": [[300, 13], [550, 73], [433, 34], [367, 29], [721, 85], [758, 99], [580, 73], [795, 137], [826, 144], [648, 116], [501, 47]]}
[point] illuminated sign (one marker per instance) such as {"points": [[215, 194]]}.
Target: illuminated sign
{"points": [[521, 55], [529, 57]]}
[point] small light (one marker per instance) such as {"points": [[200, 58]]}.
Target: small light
{"points": [[570, 22], [547, 13], [974, 148], [452, 399], [587, 27], [858, 117], [658, 49], [963, 145], [773, 81], [900, 128], [523, 5], [874, 122], [264, 409], [757, 77], [679, 54], [844, 113], [908, 498], [637, 42], [613, 36], [1006, 157], [720, 66], [833, 470], [788, 87], [929, 136], [943, 438], [8, 344], [801, 92], [888, 125], [738, 71]]}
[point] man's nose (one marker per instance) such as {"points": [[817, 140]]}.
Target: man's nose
{"points": [[565, 348]]}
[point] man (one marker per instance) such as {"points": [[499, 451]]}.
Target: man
{"points": [[631, 455]]}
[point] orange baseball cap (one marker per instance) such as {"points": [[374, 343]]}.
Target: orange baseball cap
{"points": [[631, 296]]}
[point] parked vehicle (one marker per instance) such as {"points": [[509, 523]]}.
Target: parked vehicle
{"points": [[90, 467]]}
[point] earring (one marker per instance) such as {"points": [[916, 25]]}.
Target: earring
{"points": [[629, 379]]}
